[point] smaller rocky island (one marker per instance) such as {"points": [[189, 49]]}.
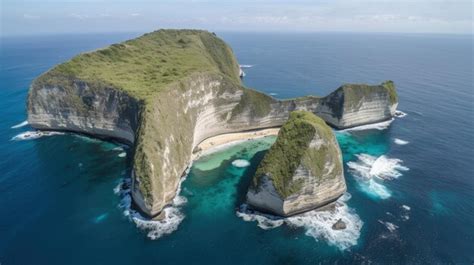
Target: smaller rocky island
{"points": [[302, 171]]}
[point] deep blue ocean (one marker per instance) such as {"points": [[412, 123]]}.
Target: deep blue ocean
{"points": [[410, 193]]}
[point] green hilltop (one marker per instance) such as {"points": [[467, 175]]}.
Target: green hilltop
{"points": [[291, 149], [145, 65]]}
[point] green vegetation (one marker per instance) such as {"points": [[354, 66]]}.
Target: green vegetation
{"points": [[354, 92], [258, 103], [145, 65], [392, 92], [291, 149]]}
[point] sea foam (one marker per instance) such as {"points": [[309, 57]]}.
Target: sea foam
{"points": [[318, 224], [400, 114], [374, 126], [19, 125], [390, 226], [369, 171], [382, 167], [172, 215], [30, 135], [240, 163], [375, 189], [400, 141]]}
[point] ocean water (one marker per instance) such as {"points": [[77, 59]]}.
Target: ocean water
{"points": [[410, 196]]}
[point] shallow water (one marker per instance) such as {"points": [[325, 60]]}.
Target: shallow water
{"points": [[60, 195]]}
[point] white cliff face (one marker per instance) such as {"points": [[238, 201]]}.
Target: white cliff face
{"points": [[102, 113], [354, 105], [315, 190]]}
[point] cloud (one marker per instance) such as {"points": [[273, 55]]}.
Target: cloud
{"points": [[78, 16], [135, 14], [28, 16]]}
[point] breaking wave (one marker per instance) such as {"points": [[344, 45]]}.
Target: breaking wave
{"points": [[370, 170], [29, 135], [246, 65], [406, 212], [374, 126], [240, 163], [19, 125], [318, 224], [123, 154], [382, 167], [390, 226], [400, 141], [375, 189], [400, 114], [172, 215]]}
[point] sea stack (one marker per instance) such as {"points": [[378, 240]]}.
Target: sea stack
{"points": [[358, 104], [302, 171]]}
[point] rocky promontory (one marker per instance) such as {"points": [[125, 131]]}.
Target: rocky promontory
{"points": [[301, 171], [165, 92]]}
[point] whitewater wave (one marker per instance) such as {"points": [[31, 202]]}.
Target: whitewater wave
{"points": [[273, 94], [19, 125], [172, 216], [374, 126], [123, 154], [400, 141], [375, 189], [406, 212], [240, 163], [30, 135], [390, 226], [400, 114], [370, 170], [246, 65], [318, 224], [382, 167]]}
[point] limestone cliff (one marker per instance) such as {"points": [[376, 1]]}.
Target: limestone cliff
{"points": [[165, 92], [357, 104], [301, 171]]}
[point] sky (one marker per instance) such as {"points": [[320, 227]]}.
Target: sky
{"points": [[28, 17]]}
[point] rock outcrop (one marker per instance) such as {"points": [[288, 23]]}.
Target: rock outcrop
{"points": [[167, 91], [301, 171], [339, 225]]}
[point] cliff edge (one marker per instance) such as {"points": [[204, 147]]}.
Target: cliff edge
{"points": [[165, 92]]}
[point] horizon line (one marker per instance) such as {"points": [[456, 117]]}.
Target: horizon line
{"points": [[33, 34]]}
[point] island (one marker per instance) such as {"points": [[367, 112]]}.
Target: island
{"points": [[302, 170], [165, 92]]}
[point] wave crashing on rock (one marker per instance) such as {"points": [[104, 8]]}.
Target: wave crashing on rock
{"points": [[30, 135], [318, 224], [374, 126], [172, 215]]}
